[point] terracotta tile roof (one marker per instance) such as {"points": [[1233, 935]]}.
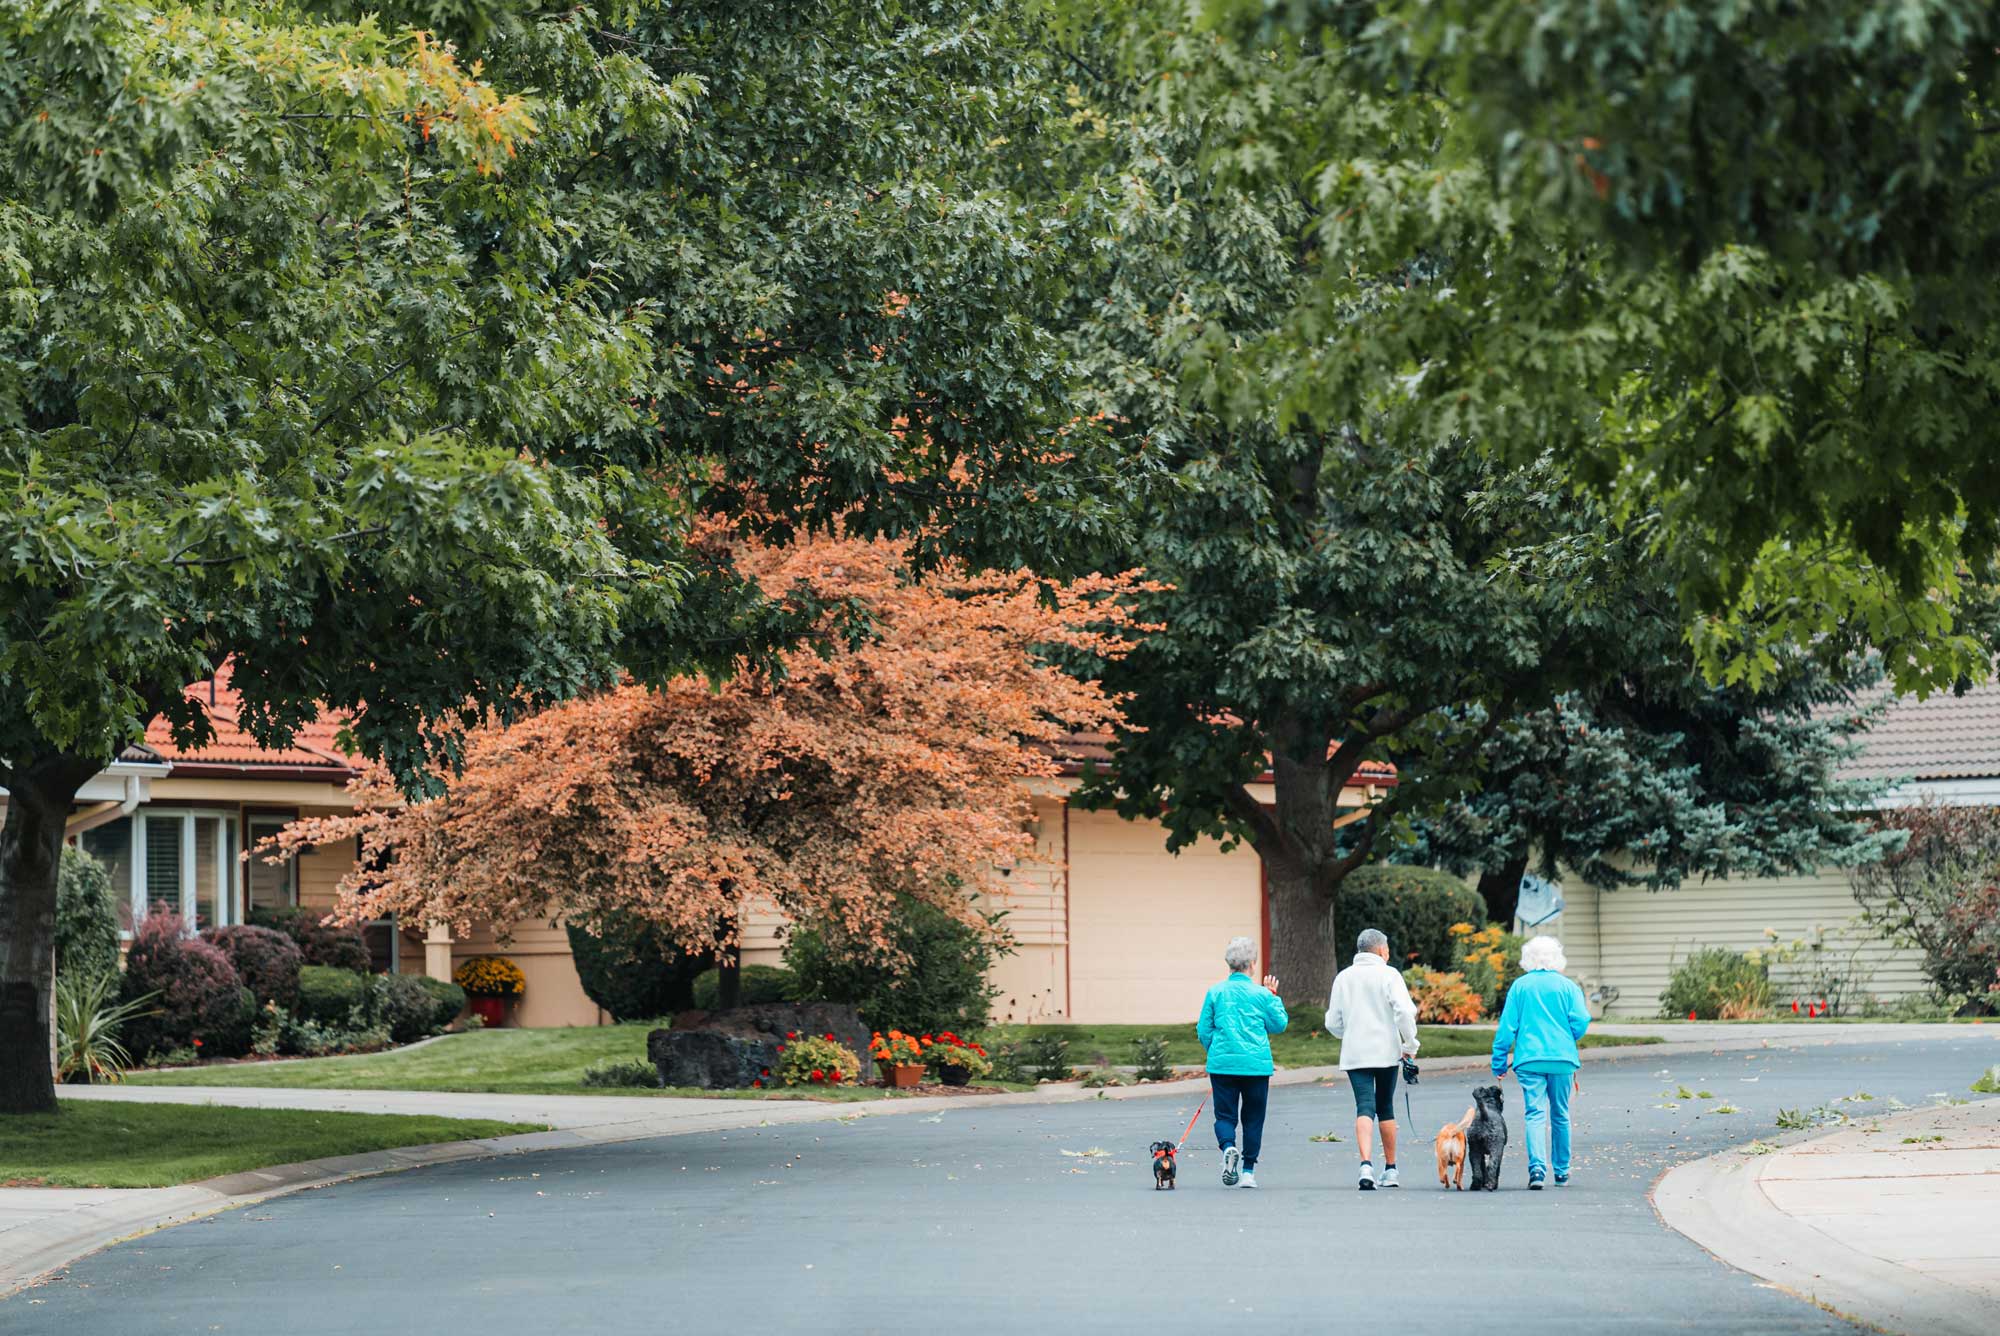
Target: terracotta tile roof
{"points": [[1944, 737], [1080, 749], [313, 748]]}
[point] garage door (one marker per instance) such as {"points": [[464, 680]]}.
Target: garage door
{"points": [[1146, 927]]}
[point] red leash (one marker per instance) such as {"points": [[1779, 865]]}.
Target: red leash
{"points": [[1191, 1122]]}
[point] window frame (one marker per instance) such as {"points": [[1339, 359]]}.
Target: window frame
{"points": [[189, 863]]}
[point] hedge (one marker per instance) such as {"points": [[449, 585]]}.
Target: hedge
{"points": [[266, 960], [761, 983], [196, 999], [1415, 906], [329, 995]]}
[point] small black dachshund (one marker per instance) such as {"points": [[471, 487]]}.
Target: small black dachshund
{"points": [[1163, 1165], [1486, 1138]]}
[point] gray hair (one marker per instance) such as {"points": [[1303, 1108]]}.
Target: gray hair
{"points": [[1543, 953], [1240, 954], [1370, 939]]}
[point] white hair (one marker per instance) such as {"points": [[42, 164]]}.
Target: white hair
{"points": [[1370, 938], [1543, 953], [1240, 954]]}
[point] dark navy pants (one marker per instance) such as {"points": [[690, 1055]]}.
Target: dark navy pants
{"points": [[1240, 1098]]}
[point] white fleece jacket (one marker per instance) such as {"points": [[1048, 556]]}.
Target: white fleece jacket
{"points": [[1371, 1014]]}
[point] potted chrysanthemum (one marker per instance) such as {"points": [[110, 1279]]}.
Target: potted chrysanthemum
{"points": [[489, 981], [899, 1057], [956, 1061]]}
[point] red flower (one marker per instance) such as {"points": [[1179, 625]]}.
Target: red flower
{"points": [[766, 1071], [1690, 1013], [791, 1034], [781, 1048], [758, 1085], [1795, 1006], [197, 1043], [818, 1075], [829, 1039], [834, 1076], [929, 1040]]}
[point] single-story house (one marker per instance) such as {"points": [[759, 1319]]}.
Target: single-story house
{"points": [[1109, 927]]}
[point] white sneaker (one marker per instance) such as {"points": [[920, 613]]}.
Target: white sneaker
{"points": [[1231, 1157], [1249, 1179], [1389, 1179], [1367, 1183]]}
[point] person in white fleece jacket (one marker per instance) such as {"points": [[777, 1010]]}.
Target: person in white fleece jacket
{"points": [[1372, 1016]]}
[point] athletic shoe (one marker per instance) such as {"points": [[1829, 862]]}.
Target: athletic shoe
{"points": [[1534, 1182], [1231, 1157], [1367, 1177], [1389, 1179], [1249, 1179], [1562, 1180]]}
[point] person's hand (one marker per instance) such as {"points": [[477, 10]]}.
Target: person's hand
{"points": [[1271, 982]]}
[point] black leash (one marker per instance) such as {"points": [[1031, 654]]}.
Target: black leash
{"points": [[1409, 1079]]}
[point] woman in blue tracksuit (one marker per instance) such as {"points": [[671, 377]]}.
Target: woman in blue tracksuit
{"points": [[1238, 1019], [1544, 1017]]}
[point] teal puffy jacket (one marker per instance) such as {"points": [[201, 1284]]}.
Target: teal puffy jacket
{"points": [[1238, 1018], [1544, 1017]]}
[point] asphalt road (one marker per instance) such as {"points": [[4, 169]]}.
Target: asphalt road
{"points": [[990, 1219]]}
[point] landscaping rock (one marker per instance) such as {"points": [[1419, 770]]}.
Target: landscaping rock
{"points": [[729, 1050]]}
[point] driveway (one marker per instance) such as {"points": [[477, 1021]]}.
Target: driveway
{"points": [[976, 1219]]}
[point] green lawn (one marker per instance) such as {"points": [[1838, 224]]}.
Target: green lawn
{"points": [[1300, 1046], [506, 1062], [92, 1144]]}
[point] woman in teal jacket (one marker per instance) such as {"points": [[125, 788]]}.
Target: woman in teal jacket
{"points": [[1237, 1021], [1544, 1017]]}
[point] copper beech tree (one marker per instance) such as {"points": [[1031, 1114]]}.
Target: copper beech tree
{"points": [[858, 770]]}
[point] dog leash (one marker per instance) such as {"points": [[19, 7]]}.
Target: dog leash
{"points": [[1191, 1122]]}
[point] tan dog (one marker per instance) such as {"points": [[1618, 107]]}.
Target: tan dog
{"points": [[1451, 1152]]}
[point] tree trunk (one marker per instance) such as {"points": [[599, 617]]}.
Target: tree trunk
{"points": [[38, 801], [1501, 889], [729, 981], [1304, 949]]}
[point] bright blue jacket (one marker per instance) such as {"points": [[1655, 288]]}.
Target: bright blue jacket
{"points": [[1238, 1018], [1544, 1017]]}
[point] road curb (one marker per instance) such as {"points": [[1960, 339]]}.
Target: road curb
{"points": [[1719, 1203]]}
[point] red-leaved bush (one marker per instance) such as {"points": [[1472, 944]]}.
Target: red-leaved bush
{"points": [[267, 961], [197, 999]]}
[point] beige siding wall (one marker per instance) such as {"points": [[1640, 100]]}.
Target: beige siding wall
{"points": [[1630, 939]]}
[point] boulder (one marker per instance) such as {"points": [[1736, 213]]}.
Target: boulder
{"points": [[728, 1050]]}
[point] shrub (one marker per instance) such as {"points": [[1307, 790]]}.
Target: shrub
{"points": [[197, 1000], [86, 920], [332, 997], [340, 948], [1716, 983], [1048, 1058], [631, 968], [1009, 1064], [1443, 998], [490, 976], [1149, 1055], [1490, 960], [934, 979], [400, 1004], [266, 960], [1415, 906], [1941, 893], [617, 1074], [818, 1062], [761, 983], [447, 1000], [89, 1017]]}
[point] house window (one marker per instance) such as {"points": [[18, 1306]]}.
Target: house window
{"points": [[182, 865], [111, 845], [272, 885]]}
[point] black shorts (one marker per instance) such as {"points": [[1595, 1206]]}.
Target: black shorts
{"points": [[1374, 1092]]}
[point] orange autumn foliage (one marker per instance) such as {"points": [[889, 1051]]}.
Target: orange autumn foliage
{"points": [[858, 773]]}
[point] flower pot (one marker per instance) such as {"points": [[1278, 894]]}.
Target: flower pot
{"points": [[490, 1010], [903, 1077], [954, 1075]]}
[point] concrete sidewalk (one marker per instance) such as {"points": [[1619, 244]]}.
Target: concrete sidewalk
{"points": [[1891, 1219]]}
